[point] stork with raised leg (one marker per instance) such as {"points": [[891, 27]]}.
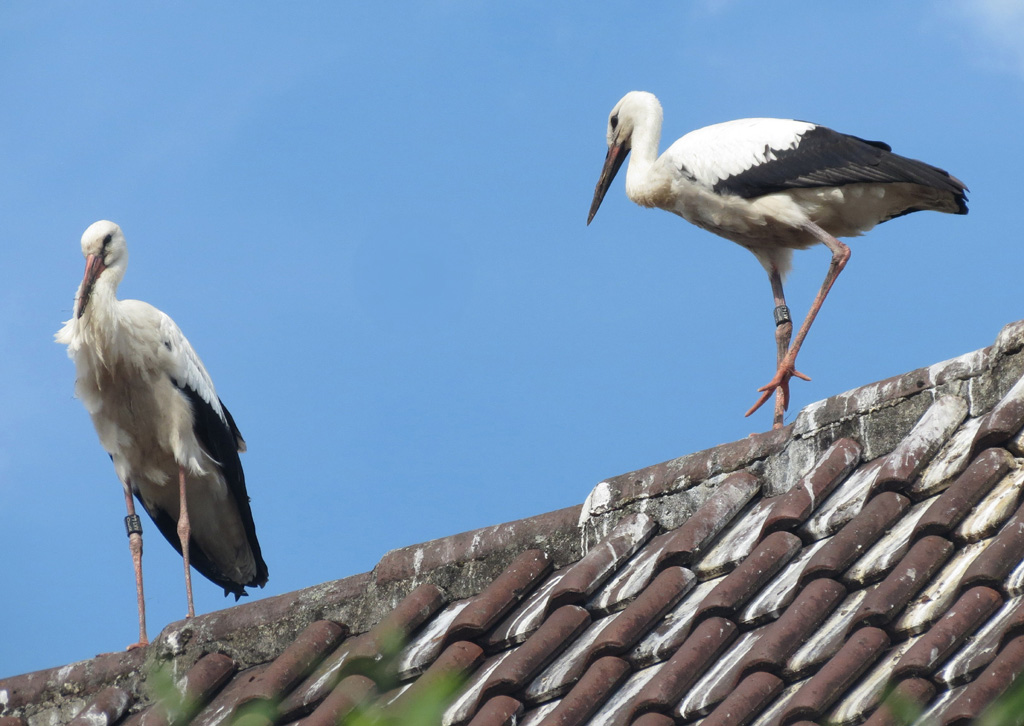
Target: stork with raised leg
{"points": [[173, 443], [772, 186]]}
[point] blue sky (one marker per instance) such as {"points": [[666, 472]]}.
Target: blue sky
{"points": [[369, 219]]}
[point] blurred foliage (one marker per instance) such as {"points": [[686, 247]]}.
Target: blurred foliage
{"points": [[1007, 710], [380, 707]]}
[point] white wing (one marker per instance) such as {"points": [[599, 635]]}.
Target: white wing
{"points": [[724, 150], [183, 365]]}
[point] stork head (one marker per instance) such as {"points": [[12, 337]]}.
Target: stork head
{"points": [[106, 256], [633, 109]]}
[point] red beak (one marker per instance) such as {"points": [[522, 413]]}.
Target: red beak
{"points": [[616, 155], [94, 267]]}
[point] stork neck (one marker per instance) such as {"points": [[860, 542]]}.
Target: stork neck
{"points": [[644, 154], [102, 313]]}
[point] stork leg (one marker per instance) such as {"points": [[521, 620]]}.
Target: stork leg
{"points": [[787, 367], [783, 333], [184, 533], [134, 526]]}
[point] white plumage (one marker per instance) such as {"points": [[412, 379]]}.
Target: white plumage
{"points": [[772, 186], [158, 415], [726, 149]]}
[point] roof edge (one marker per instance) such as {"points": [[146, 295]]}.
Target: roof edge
{"points": [[672, 490], [250, 633]]}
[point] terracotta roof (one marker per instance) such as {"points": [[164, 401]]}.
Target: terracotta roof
{"points": [[786, 578]]}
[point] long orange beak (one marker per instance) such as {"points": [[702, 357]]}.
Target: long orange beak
{"points": [[94, 267], [616, 155]]}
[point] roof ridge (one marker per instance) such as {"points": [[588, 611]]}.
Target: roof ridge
{"points": [[788, 453]]}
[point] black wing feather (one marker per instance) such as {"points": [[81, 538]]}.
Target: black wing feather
{"points": [[203, 565], [827, 158], [220, 438]]}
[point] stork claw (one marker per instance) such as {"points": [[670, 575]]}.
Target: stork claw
{"points": [[780, 381]]}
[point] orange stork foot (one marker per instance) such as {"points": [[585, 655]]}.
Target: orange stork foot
{"points": [[779, 382]]}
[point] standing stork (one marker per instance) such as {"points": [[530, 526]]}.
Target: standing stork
{"points": [[772, 186], [173, 443]]}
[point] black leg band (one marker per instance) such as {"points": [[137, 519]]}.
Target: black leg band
{"points": [[133, 524], [782, 315]]}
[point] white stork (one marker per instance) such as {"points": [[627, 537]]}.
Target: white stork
{"points": [[173, 443], [772, 186]]}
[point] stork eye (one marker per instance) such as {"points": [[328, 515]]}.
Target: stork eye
{"points": [[106, 240], [614, 121]]}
